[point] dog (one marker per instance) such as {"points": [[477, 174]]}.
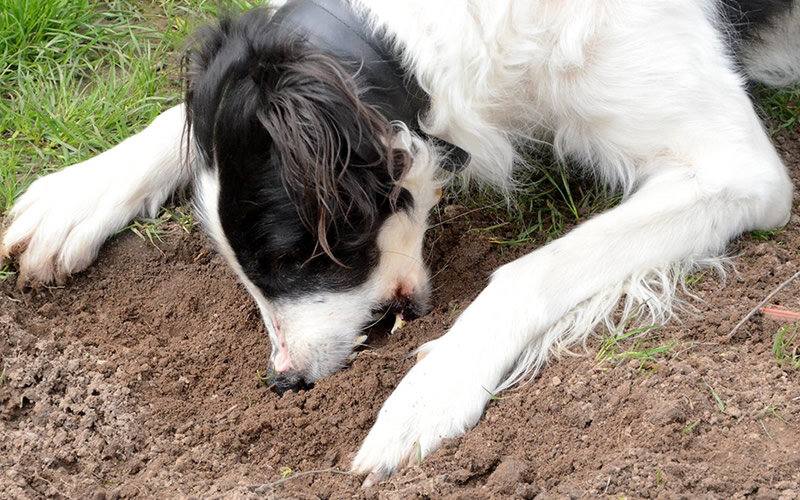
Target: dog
{"points": [[314, 137]]}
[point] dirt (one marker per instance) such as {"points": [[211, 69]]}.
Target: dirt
{"points": [[139, 378]]}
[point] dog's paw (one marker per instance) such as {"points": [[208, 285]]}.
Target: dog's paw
{"points": [[58, 225], [436, 400]]}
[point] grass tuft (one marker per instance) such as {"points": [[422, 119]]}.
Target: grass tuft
{"points": [[784, 347], [644, 350]]}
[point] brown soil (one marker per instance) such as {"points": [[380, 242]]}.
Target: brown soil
{"points": [[139, 379]]}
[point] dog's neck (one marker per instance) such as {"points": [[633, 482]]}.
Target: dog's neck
{"points": [[333, 26]]}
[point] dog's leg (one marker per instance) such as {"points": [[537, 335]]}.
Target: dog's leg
{"points": [[59, 224], [689, 204]]}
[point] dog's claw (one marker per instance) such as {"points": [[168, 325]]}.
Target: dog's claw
{"points": [[360, 340]]}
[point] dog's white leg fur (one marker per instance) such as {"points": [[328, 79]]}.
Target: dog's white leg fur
{"points": [[683, 212], [680, 133], [59, 224]]}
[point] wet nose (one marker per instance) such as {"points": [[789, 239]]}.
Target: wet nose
{"points": [[409, 309], [289, 381]]}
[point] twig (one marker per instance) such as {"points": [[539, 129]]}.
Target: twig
{"points": [[263, 488], [761, 304]]}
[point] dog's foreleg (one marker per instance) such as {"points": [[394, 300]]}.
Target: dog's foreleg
{"points": [[687, 208], [58, 225]]}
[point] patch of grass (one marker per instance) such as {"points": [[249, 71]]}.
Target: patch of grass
{"points": [[543, 206], [694, 278], [182, 216], [782, 106], [147, 229], [613, 348], [784, 347], [766, 235], [78, 76], [6, 273], [152, 230]]}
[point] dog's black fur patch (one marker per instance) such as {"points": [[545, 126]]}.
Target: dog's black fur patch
{"points": [[746, 17], [307, 173]]}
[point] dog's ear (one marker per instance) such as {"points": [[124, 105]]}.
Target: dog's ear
{"points": [[257, 92]]}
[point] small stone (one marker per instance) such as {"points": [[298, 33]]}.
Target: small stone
{"points": [[556, 381]]}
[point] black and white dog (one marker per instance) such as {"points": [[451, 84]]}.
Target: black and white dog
{"points": [[315, 140]]}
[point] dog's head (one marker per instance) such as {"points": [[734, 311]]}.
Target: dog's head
{"points": [[317, 202]]}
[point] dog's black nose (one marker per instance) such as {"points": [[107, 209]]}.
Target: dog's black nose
{"points": [[409, 309], [289, 381]]}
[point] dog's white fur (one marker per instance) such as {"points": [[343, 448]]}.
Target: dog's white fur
{"points": [[643, 94]]}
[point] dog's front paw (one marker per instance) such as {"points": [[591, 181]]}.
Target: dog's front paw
{"points": [[436, 400], [58, 225]]}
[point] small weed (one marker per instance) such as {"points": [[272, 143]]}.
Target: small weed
{"points": [[689, 428], [285, 472], [773, 410], [264, 379], [419, 452], [493, 396], [611, 349], [783, 350], [658, 476], [3, 377], [694, 278], [766, 235], [716, 397], [183, 217], [147, 229], [5, 273]]}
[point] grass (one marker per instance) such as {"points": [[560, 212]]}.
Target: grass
{"points": [[717, 399], [79, 76], [689, 428], [773, 410], [546, 204], [644, 349], [785, 346], [6, 273], [766, 235], [264, 379], [781, 106]]}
